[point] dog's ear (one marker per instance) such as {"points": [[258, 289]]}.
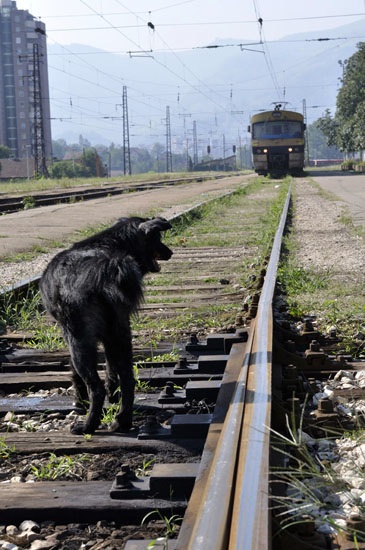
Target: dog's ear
{"points": [[156, 224]]}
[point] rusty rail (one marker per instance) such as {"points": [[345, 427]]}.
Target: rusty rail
{"points": [[231, 509]]}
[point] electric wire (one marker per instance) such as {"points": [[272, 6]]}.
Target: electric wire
{"points": [[272, 73], [211, 90], [174, 73], [268, 61]]}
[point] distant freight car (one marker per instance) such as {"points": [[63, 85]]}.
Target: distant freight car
{"points": [[277, 140]]}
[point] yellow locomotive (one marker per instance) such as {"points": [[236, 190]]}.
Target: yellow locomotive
{"points": [[277, 141]]}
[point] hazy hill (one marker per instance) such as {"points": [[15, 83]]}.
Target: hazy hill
{"points": [[211, 85]]}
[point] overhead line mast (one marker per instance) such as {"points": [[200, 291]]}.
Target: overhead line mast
{"points": [[168, 142], [126, 145], [40, 166]]}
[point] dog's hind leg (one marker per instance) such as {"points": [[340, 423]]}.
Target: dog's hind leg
{"points": [[118, 353], [84, 360], [81, 396]]}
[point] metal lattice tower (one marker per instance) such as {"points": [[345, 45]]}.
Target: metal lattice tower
{"points": [[195, 144], [168, 142], [306, 132], [126, 146], [40, 166]]}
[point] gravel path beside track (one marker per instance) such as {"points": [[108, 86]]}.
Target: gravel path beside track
{"points": [[326, 242]]}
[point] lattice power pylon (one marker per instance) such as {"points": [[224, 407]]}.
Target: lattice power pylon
{"points": [[126, 145], [195, 144], [168, 142], [40, 166], [306, 133]]}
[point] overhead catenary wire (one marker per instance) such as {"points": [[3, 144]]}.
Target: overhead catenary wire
{"points": [[147, 54], [186, 68], [197, 23], [157, 102], [266, 50]]}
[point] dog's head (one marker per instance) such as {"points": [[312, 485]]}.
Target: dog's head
{"points": [[156, 250]]}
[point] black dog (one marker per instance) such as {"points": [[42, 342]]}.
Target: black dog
{"points": [[91, 289]]}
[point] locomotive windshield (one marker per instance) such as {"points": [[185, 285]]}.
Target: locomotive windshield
{"points": [[277, 129]]}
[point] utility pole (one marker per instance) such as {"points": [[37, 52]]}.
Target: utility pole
{"points": [[40, 166], [195, 143], [126, 146], [224, 152], [306, 133], [168, 142]]}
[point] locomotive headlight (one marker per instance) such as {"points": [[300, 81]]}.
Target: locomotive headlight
{"points": [[264, 150], [290, 149]]}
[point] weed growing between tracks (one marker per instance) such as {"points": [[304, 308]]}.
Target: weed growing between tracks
{"points": [[236, 231]]}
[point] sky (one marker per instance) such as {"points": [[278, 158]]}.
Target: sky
{"points": [[123, 25]]}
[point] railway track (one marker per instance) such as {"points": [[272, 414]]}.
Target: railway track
{"points": [[12, 203], [206, 412]]}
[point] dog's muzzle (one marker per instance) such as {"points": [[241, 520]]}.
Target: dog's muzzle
{"points": [[164, 254]]}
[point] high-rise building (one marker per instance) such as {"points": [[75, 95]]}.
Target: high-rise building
{"points": [[25, 125]]}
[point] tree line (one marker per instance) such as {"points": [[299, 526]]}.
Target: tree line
{"points": [[346, 128]]}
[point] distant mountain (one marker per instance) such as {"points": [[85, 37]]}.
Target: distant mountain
{"points": [[218, 87]]}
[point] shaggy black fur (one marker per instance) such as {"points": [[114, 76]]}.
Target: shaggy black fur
{"points": [[91, 289]]}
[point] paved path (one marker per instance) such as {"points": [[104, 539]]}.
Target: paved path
{"points": [[43, 226], [349, 187]]}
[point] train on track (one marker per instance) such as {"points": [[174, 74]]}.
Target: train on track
{"points": [[278, 141]]}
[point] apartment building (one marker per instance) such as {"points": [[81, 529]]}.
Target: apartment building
{"points": [[25, 123]]}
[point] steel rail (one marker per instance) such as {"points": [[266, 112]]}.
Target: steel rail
{"points": [[233, 512], [250, 527], [12, 203]]}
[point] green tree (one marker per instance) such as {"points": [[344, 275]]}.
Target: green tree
{"points": [[4, 152], [346, 129], [92, 163], [321, 147], [66, 169], [89, 165], [59, 148], [329, 128]]}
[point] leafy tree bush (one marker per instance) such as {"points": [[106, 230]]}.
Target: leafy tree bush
{"points": [[346, 129], [89, 165], [4, 152]]}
